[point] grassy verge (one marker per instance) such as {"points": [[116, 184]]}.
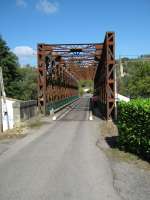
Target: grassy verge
{"points": [[14, 133], [121, 156], [22, 129], [108, 143]]}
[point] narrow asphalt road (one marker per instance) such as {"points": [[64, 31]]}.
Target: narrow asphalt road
{"points": [[59, 162]]}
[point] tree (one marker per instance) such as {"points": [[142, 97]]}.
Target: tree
{"points": [[136, 83], [27, 83], [85, 84], [20, 83], [10, 65]]}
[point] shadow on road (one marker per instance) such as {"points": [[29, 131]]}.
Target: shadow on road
{"points": [[112, 141]]}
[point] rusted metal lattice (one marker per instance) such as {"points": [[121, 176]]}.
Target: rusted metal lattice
{"points": [[104, 81], [61, 66]]}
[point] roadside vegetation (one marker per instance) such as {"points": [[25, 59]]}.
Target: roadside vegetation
{"points": [[134, 117], [19, 82], [85, 84], [134, 127], [24, 128], [136, 80]]}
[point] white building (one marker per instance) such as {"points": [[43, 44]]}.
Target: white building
{"points": [[122, 98], [7, 114]]}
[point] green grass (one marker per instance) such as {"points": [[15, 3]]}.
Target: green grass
{"points": [[121, 156], [109, 130]]}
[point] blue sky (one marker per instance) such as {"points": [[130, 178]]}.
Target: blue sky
{"points": [[24, 23]]}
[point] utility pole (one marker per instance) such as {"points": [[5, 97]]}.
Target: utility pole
{"points": [[116, 92], [121, 67]]}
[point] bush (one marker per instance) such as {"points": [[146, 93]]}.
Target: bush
{"points": [[134, 127]]}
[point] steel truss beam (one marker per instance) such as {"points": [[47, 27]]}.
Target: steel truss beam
{"points": [[104, 82], [60, 66]]}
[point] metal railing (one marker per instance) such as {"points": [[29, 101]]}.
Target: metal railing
{"points": [[59, 104]]}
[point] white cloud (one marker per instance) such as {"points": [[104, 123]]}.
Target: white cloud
{"points": [[26, 55], [21, 3], [47, 7], [24, 51]]}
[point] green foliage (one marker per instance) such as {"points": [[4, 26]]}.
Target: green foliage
{"points": [[9, 64], [81, 92], [136, 82], [20, 83], [85, 84], [27, 84], [134, 127]]}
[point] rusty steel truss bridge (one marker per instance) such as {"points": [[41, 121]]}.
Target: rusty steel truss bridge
{"points": [[61, 66]]}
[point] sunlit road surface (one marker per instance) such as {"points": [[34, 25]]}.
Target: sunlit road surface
{"points": [[59, 162]]}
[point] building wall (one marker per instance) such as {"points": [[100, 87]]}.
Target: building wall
{"points": [[7, 115], [15, 111], [28, 109], [24, 110]]}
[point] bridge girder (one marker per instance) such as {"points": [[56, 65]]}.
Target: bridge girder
{"points": [[60, 66]]}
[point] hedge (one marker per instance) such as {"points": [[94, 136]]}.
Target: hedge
{"points": [[134, 127]]}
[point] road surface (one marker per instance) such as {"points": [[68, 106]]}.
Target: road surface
{"points": [[59, 162]]}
